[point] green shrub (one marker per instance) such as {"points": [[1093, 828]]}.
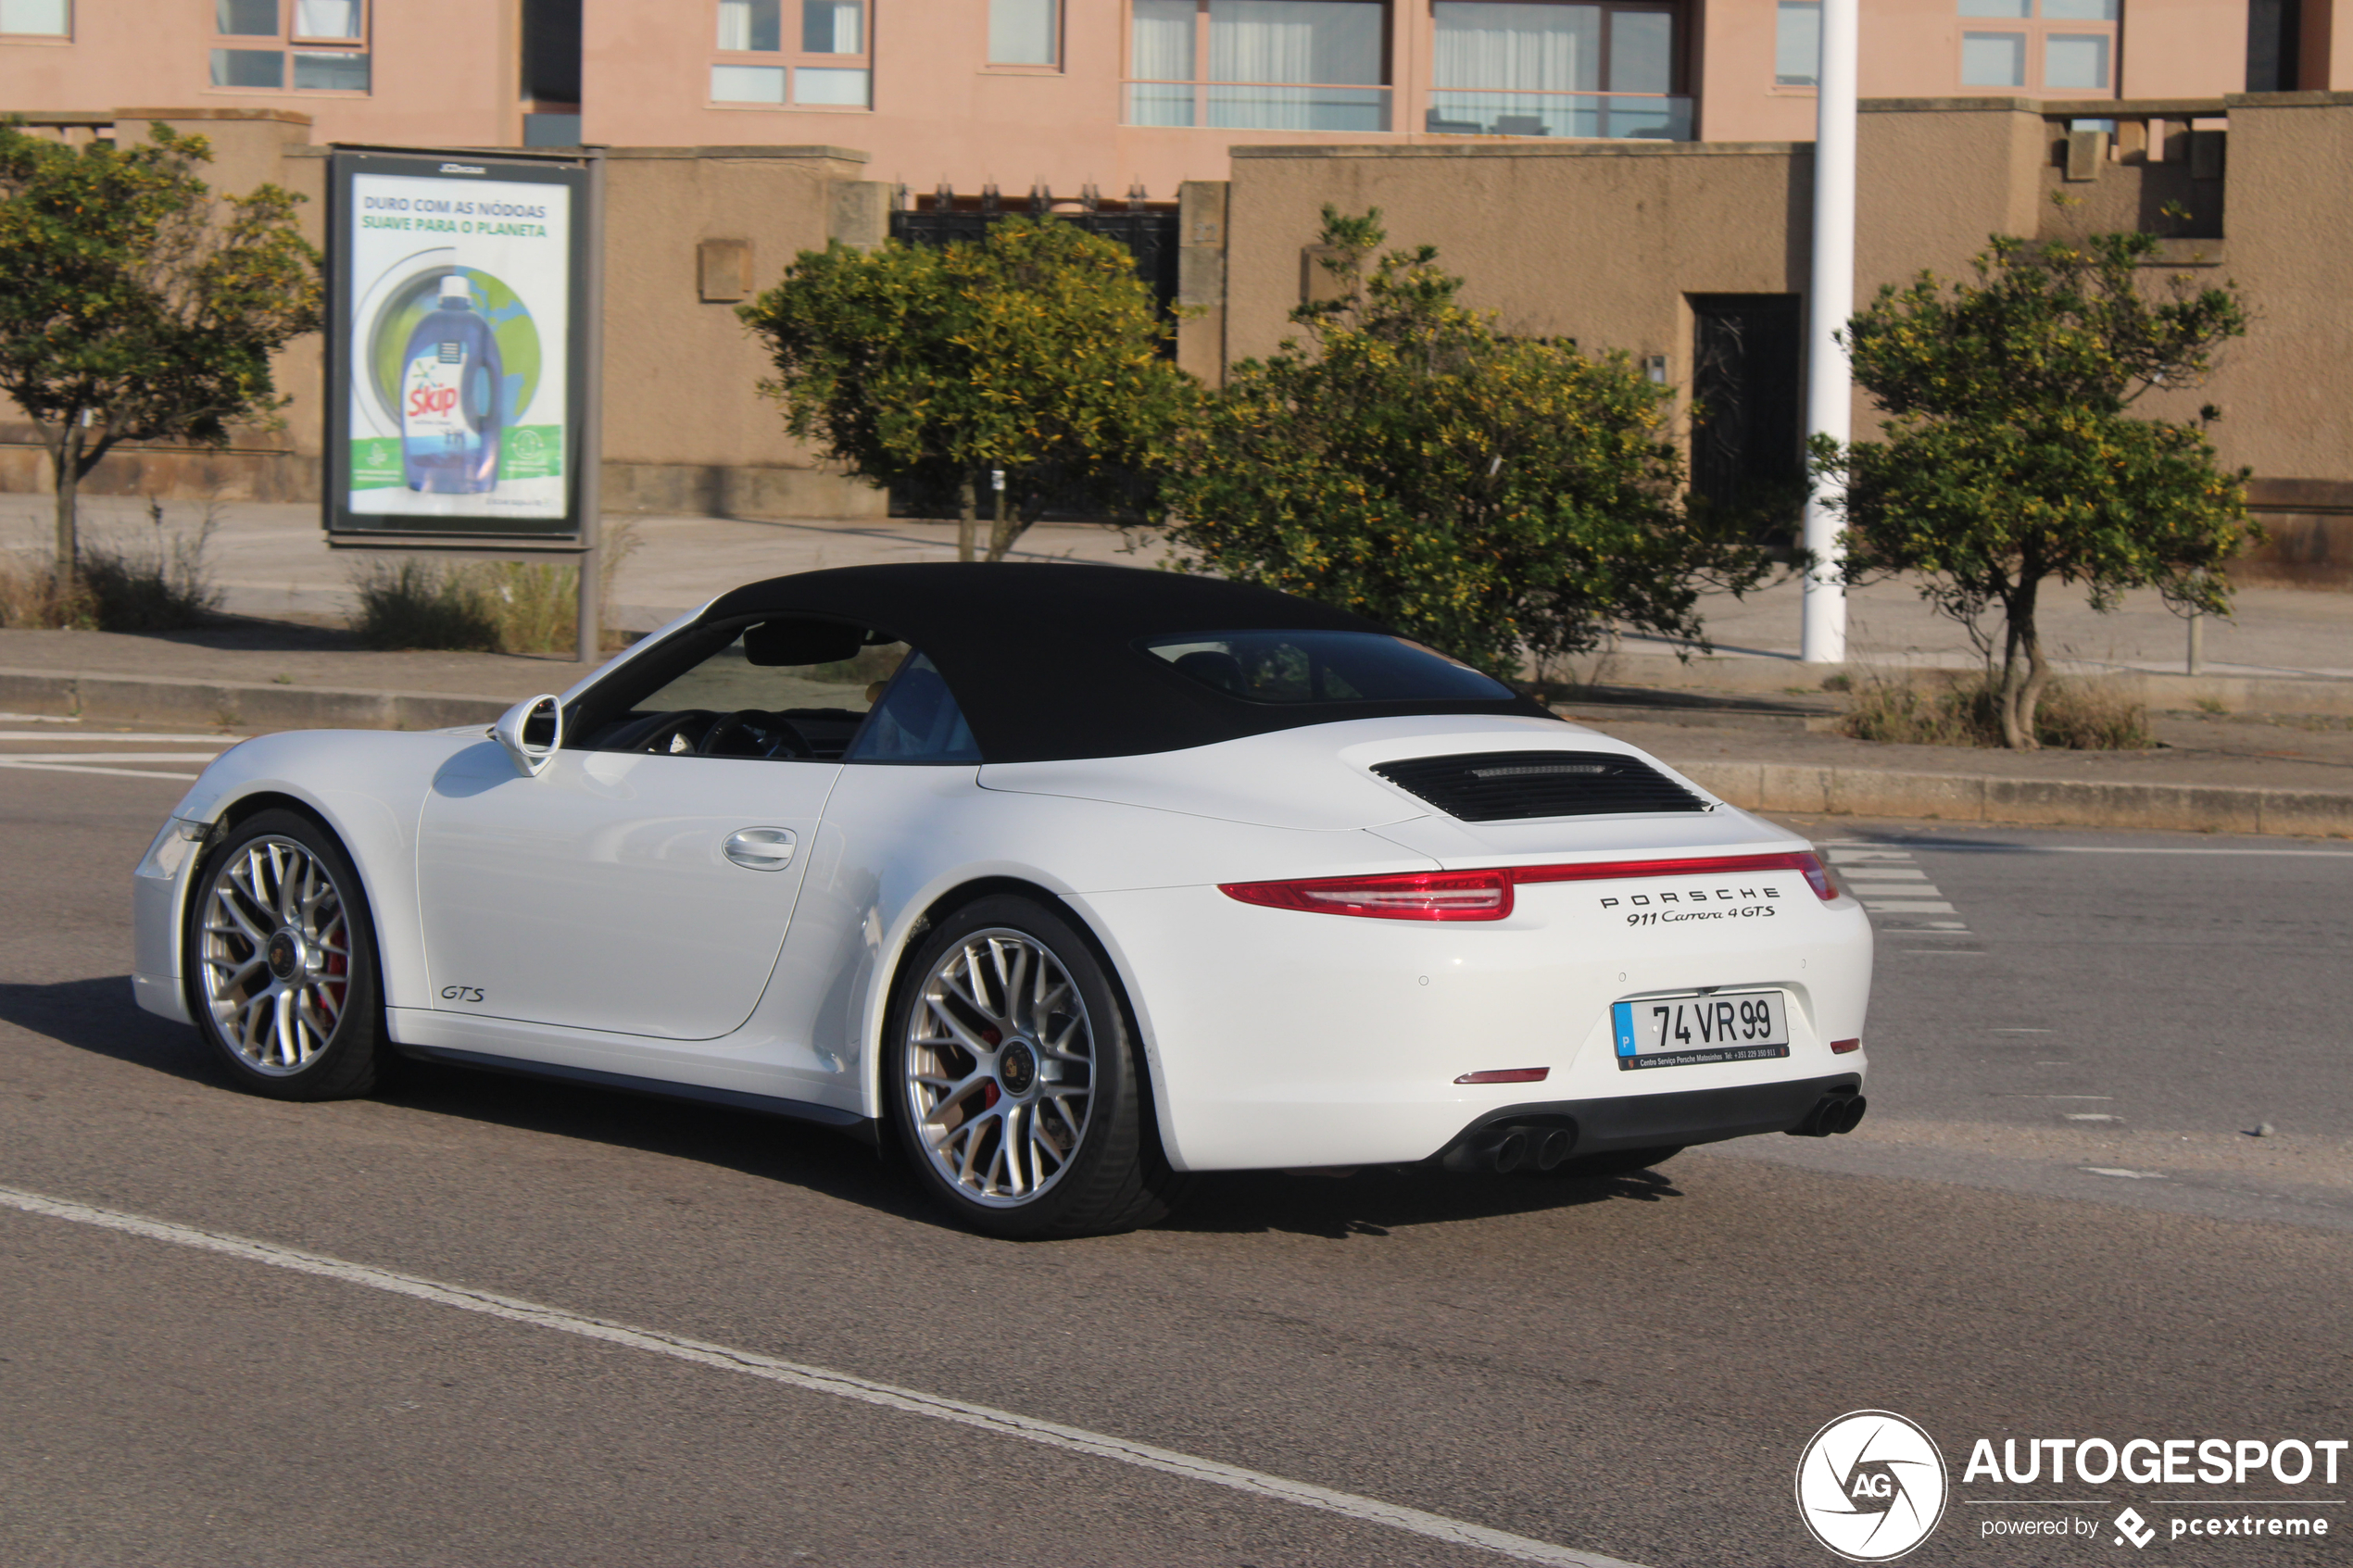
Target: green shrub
{"points": [[414, 603], [159, 584], [481, 606]]}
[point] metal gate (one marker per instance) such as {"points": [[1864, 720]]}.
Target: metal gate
{"points": [[1747, 448]]}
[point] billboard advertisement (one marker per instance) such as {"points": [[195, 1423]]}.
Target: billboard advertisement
{"points": [[455, 352]]}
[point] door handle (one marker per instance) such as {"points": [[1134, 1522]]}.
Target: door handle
{"points": [[760, 849]]}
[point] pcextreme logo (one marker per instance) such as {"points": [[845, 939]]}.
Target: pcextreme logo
{"points": [[1870, 1486]]}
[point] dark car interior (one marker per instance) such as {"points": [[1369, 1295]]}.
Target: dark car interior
{"points": [[782, 689]]}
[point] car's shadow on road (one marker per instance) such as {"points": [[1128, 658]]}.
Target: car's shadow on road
{"points": [[1374, 1202], [99, 1016]]}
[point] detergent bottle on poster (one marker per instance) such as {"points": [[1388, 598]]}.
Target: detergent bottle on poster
{"points": [[450, 390]]}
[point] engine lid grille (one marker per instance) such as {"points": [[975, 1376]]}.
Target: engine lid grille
{"points": [[1493, 786]]}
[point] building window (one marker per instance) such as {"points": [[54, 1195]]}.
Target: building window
{"points": [[36, 18], [1259, 64], [2066, 48], [309, 46], [826, 64], [1550, 69], [1025, 33], [1797, 44]]}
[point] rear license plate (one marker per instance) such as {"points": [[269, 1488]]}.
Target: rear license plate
{"points": [[1683, 1031]]}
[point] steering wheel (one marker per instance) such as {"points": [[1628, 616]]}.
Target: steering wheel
{"points": [[668, 728], [753, 732]]}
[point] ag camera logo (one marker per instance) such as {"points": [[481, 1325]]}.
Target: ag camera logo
{"points": [[1872, 1486]]}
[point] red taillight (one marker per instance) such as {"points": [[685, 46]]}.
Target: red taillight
{"points": [[1487, 894], [1841, 1048], [1405, 896], [1507, 1075]]}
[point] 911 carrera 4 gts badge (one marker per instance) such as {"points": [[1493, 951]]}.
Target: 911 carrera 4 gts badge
{"points": [[461, 992]]}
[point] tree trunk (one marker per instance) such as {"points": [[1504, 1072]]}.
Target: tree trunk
{"points": [[967, 513], [2022, 683], [65, 461]]}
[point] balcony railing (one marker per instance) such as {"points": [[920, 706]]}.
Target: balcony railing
{"points": [[1621, 116], [1258, 105]]}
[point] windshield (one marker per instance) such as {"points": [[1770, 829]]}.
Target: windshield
{"points": [[1323, 667]]}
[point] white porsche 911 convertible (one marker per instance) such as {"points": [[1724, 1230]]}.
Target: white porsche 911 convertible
{"points": [[1065, 881]]}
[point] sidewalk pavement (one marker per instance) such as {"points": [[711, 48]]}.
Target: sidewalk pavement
{"points": [[1737, 722], [272, 561]]}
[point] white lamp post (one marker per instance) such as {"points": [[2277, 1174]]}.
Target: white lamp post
{"points": [[1830, 380]]}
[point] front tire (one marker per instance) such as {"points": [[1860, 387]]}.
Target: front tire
{"points": [[1017, 1088], [281, 959]]}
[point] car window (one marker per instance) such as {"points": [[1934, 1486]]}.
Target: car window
{"points": [[781, 689], [729, 679], [917, 720], [1322, 667]]}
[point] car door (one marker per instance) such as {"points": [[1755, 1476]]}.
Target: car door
{"points": [[642, 883], [643, 895]]}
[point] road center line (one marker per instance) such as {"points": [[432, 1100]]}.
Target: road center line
{"points": [[818, 1380]]}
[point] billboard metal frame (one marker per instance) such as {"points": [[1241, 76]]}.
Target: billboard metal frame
{"points": [[575, 535]]}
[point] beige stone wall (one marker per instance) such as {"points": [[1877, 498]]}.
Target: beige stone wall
{"points": [[2286, 389], [1603, 244], [1594, 242]]}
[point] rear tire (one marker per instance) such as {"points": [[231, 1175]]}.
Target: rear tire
{"points": [[1618, 1162], [1015, 1083], [281, 961]]}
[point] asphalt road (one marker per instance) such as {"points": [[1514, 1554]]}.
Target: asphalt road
{"points": [[1626, 1368]]}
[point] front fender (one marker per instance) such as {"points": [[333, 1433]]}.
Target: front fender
{"points": [[367, 787]]}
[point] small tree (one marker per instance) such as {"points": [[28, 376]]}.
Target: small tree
{"points": [[2011, 459], [1491, 496], [1037, 353], [131, 310]]}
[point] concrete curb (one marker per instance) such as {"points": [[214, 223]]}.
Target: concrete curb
{"points": [[231, 704], [1757, 786], [1969, 798], [1773, 676]]}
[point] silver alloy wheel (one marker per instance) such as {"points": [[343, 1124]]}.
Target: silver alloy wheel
{"points": [[1000, 1068], [275, 955]]}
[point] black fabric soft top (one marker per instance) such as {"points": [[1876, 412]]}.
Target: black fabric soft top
{"points": [[1044, 658]]}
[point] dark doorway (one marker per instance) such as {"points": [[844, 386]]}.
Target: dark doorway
{"points": [[1747, 447], [2274, 31]]}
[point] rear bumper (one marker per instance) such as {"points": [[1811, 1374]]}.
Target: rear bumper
{"points": [[1669, 1121]]}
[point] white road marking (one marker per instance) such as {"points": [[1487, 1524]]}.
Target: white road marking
{"points": [[105, 756], [118, 772], [223, 742], [1887, 882], [818, 1380], [39, 718], [2131, 849], [2128, 1175], [193, 749]]}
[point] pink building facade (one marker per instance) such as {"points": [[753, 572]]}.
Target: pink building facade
{"points": [[1123, 95]]}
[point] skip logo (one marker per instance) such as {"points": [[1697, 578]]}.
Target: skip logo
{"points": [[1872, 1486], [2134, 1528]]}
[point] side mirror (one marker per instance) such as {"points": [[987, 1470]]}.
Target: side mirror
{"points": [[530, 732]]}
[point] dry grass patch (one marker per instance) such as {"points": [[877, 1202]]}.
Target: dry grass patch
{"points": [[2073, 715]]}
